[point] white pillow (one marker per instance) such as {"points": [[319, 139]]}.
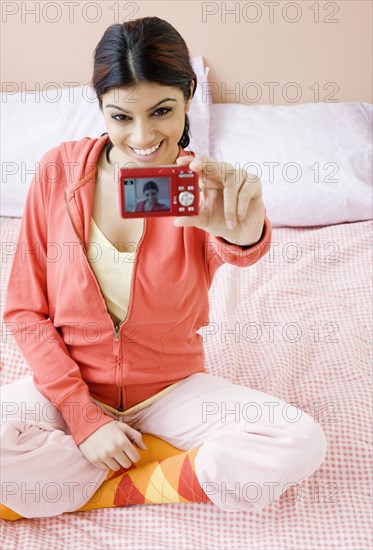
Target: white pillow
{"points": [[312, 144], [33, 123]]}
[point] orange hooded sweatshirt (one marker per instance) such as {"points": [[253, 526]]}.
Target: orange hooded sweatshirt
{"points": [[58, 315]]}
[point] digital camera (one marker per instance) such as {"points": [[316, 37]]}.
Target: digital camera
{"points": [[168, 190]]}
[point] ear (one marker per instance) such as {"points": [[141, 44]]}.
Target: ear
{"points": [[187, 104]]}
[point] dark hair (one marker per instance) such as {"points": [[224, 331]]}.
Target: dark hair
{"points": [[150, 185], [148, 49]]}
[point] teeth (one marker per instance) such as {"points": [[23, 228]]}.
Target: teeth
{"points": [[146, 151]]}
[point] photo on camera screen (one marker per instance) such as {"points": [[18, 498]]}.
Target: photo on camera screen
{"points": [[147, 194]]}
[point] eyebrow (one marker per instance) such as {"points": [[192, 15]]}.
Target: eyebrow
{"points": [[151, 108]]}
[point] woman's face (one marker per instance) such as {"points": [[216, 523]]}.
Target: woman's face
{"points": [[151, 195], [144, 123]]}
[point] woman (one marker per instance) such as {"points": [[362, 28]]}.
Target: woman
{"points": [[150, 203], [109, 339]]}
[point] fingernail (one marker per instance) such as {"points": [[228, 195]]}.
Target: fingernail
{"points": [[230, 224]]}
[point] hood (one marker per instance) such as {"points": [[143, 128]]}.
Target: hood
{"points": [[80, 159]]}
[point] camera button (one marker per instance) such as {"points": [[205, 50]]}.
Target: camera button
{"points": [[186, 198]]}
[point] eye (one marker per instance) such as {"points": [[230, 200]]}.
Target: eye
{"points": [[124, 119], [162, 111], [165, 110]]}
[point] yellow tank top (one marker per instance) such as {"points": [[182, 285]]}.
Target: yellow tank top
{"points": [[113, 271]]}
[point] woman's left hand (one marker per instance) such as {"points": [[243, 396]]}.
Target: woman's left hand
{"points": [[227, 194]]}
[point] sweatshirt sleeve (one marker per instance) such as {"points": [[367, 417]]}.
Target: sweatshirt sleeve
{"points": [[220, 251], [26, 316]]}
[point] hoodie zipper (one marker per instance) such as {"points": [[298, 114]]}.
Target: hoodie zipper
{"points": [[116, 344], [118, 366]]}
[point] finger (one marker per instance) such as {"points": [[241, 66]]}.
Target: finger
{"points": [[139, 442], [141, 445], [100, 465], [230, 203], [129, 453], [119, 460], [108, 465], [250, 189], [208, 166], [212, 195], [136, 436], [243, 201], [238, 182], [215, 172], [186, 159]]}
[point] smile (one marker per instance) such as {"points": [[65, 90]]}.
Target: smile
{"points": [[145, 152]]}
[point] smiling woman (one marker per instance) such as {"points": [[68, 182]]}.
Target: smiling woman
{"points": [[145, 82], [145, 135], [151, 85]]}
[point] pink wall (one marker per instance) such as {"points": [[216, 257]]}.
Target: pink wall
{"points": [[309, 50]]}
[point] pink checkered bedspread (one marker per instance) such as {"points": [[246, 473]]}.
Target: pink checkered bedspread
{"points": [[296, 325]]}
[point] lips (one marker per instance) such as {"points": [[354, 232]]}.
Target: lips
{"points": [[147, 151]]}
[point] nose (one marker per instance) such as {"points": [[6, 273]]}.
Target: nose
{"points": [[142, 135]]}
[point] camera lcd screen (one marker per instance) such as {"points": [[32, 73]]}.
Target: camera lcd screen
{"points": [[147, 194]]}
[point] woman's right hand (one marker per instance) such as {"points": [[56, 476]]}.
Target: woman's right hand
{"points": [[110, 447]]}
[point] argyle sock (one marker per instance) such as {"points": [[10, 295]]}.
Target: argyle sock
{"points": [[169, 480], [7, 513], [164, 474]]}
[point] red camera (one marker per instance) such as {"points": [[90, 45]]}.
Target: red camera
{"points": [[168, 190]]}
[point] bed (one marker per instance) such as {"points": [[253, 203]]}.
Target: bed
{"points": [[297, 324]]}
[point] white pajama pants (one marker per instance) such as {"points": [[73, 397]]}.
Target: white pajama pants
{"points": [[252, 446]]}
